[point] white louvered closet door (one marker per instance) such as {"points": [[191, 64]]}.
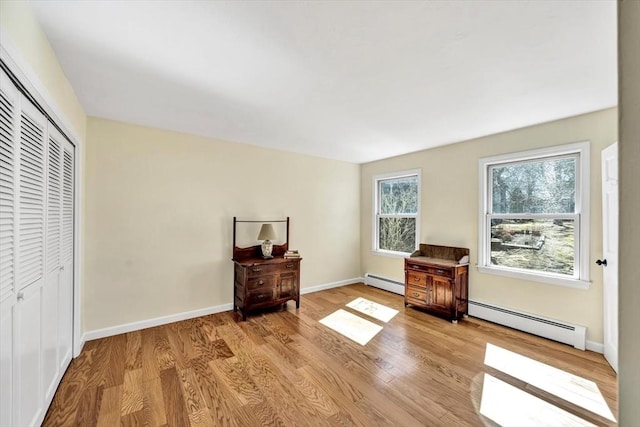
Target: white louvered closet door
{"points": [[30, 263], [65, 298], [36, 258], [9, 110], [51, 291]]}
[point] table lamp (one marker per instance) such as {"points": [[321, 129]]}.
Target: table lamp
{"points": [[267, 233]]}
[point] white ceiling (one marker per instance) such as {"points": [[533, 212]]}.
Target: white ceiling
{"points": [[354, 80]]}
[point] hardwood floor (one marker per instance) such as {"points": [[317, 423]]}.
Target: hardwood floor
{"points": [[284, 368]]}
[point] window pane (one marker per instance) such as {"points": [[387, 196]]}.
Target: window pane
{"points": [[399, 196], [397, 234], [542, 245], [545, 186]]}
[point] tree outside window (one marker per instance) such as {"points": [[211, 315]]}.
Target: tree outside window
{"points": [[534, 212], [397, 205]]}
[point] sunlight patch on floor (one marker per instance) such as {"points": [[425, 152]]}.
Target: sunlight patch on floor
{"points": [[569, 387], [351, 326], [373, 309], [510, 406]]}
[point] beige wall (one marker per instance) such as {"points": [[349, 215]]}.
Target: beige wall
{"points": [[19, 24], [449, 214], [160, 209], [629, 87]]}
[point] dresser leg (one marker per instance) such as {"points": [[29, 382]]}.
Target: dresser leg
{"points": [[297, 303], [454, 321], [465, 315], [244, 316]]}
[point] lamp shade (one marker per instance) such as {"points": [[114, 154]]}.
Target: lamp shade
{"points": [[267, 232]]}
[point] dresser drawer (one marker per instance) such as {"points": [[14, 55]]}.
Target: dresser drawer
{"points": [[260, 282], [431, 269], [260, 295], [416, 279], [261, 270], [441, 271], [419, 295]]}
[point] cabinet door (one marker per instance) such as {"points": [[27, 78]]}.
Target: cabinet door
{"points": [[288, 284], [440, 293]]}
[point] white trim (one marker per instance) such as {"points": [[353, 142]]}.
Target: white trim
{"points": [[534, 277], [596, 347], [29, 79], [390, 175], [156, 321], [384, 283], [546, 327], [23, 71], [583, 207], [340, 283], [163, 320], [390, 254]]}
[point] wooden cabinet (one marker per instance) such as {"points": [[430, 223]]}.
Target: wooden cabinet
{"points": [[262, 283], [437, 281]]}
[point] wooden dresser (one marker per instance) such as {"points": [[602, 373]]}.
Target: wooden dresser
{"points": [[436, 280], [262, 283]]}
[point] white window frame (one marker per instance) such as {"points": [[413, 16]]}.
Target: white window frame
{"points": [[377, 215], [580, 278]]}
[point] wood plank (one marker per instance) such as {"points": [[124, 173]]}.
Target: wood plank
{"points": [[283, 367]]}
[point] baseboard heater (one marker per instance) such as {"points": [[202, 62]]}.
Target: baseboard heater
{"points": [[574, 335], [384, 283]]}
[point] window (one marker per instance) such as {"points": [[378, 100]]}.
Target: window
{"points": [[534, 221], [396, 212]]}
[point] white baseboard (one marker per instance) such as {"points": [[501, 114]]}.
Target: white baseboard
{"points": [[338, 284], [149, 323], [384, 283], [596, 347], [163, 320]]}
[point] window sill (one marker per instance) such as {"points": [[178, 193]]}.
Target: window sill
{"points": [[550, 280], [390, 254]]}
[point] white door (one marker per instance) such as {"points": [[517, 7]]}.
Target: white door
{"points": [[30, 263], [9, 111], [65, 298], [36, 258], [610, 252], [50, 305]]}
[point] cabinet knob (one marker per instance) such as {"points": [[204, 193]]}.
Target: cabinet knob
{"points": [[255, 269], [20, 296], [417, 279], [260, 282], [289, 265], [415, 294]]}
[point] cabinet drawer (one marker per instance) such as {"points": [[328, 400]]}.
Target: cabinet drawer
{"points": [[431, 269], [417, 279], [417, 294], [440, 271], [262, 270], [260, 282], [259, 296]]}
